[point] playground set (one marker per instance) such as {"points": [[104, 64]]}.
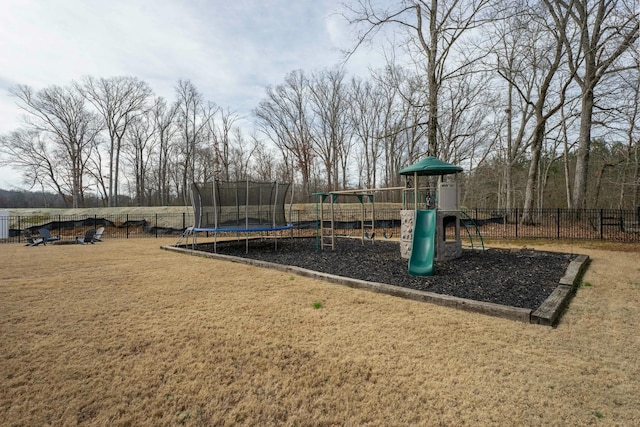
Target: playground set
{"points": [[428, 212], [429, 218]]}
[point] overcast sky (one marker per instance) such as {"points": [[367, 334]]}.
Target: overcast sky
{"points": [[230, 49]]}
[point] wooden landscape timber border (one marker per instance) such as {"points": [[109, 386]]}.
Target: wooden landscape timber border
{"points": [[547, 314], [550, 310]]}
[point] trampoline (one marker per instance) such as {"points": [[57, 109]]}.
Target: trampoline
{"points": [[239, 207]]}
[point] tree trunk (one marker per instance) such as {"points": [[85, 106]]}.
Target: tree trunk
{"points": [[567, 184], [509, 160], [579, 199], [636, 181], [116, 172], [532, 177], [432, 124], [110, 195]]}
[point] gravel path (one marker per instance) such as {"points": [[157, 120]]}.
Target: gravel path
{"points": [[518, 278]]}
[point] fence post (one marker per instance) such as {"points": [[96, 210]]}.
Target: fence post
{"points": [[621, 219], [59, 220], [156, 225], [601, 224], [558, 223], [183, 221], [517, 222], [20, 233], [127, 222]]}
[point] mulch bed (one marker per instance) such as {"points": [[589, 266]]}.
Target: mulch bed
{"points": [[518, 278]]}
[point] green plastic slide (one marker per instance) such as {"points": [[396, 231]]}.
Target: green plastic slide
{"points": [[423, 244]]}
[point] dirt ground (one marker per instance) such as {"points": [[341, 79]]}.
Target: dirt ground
{"points": [[122, 333]]}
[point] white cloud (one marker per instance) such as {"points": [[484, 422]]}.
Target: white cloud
{"points": [[9, 179], [231, 50]]}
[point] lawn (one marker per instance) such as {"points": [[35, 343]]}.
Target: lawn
{"points": [[124, 333]]}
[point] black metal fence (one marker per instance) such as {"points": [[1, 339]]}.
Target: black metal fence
{"points": [[118, 226], [563, 224], [560, 224]]}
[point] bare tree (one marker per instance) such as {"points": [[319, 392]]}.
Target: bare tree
{"points": [[466, 105], [119, 100], [283, 118], [241, 153], [59, 114], [630, 116], [600, 33], [366, 116], [165, 130], [330, 127], [403, 128], [27, 151], [221, 137], [550, 155], [96, 166], [433, 30], [567, 120], [265, 163], [543, 58], [508, 36], [141, 135], [192, 118], [618, 120]]}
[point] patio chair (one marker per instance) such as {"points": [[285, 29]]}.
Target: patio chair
{"points": [[46, 236], [98, 235], [31, 241], [88, 237]]}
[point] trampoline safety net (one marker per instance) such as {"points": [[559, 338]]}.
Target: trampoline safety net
{"points": [[243, 205]]}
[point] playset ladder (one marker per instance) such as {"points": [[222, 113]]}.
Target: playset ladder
{"points": [[472, 233], [325, 227], [326, 234]]}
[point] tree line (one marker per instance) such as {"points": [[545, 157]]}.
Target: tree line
{"points": [[537, 99]]}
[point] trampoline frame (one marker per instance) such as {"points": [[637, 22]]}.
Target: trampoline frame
{"points": [[249, 226]]}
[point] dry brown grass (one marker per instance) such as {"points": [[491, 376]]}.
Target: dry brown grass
{"points": [[123, 333]]}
